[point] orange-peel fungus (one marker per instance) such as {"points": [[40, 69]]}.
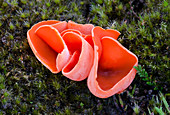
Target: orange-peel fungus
{"points": [[112, 69], [82, 51]]}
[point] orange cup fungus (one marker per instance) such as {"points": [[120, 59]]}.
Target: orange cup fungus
{"points": [[84, 51]]}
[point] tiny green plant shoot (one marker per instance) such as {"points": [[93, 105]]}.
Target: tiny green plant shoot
{"points": [[158, 105], [145, 77]]}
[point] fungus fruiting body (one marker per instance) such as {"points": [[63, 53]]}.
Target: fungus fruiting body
{"points": [[112, 69], [82, 51]]}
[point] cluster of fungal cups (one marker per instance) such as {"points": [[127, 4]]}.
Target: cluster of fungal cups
{"points": [[84, 51]]}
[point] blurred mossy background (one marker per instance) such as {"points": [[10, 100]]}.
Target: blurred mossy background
{"points": [[27, 87]]}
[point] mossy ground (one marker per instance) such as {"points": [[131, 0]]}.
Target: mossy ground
{"points": [[27, 87]]}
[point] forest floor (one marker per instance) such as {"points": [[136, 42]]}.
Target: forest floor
{"points": [[27, 87]]}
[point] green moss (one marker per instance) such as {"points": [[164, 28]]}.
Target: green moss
{"points": [[27, 87]]}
